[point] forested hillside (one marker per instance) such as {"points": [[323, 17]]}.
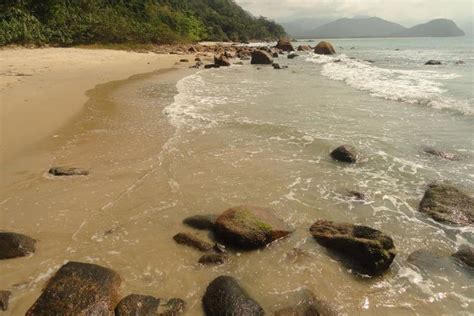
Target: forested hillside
{"points": [[72, 22]]}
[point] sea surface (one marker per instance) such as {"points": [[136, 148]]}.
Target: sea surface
{"points": [[159, 152]]}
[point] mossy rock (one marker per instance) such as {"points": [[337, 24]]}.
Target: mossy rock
{"points": [[448, 204], [369, 251], [249, 227]]}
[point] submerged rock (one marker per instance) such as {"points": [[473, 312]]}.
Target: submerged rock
{"points": [[433, 62], [441, 154], [249, 227], [369, 249], [276, 66], [446, 203], [135, 304], [260, 57], [184, 60], [324, 48], [356, 195], [79, 289], [307, 304], [4, 299], [192, 241], [173, 307], [209, 66], [465, 255], [202, 222], [213, 259], [13, 245], [292, 55], [285, 45], [345, 153], [304, 48], [224, 296], [67, 171], [222, 61]]}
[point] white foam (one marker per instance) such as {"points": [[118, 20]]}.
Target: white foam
{"points": [[424, 87]]}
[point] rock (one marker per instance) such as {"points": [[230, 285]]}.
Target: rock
{"points": [[426, 259], [324, 48], [307, 305], [184, 60], [433, 62], [4, 298], [211, 66], [446, 203], [13, 245], [460, 62], [239, 63], [79, 289], [276, 66], [465, 255], [292, 55], [224, 296], [285, 45], [357, 195], [296, 255], [192, 241], [173, 307], [213, 259], [304, 48], [198, 59], [275, 55], [370, 250], [201, 222], [221, 61], [137, 305], [442, 154], [66, 171], [337, 61], [260, 57], [345, 153], [249, 227]]}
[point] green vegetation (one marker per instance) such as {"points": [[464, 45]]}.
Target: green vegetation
{"points": [[75, 22]]}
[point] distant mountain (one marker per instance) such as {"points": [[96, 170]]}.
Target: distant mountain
{"points": [[302, 28], [357, 27], [434, 28]]}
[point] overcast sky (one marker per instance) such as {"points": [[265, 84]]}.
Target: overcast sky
{"points": [[407, 12]]}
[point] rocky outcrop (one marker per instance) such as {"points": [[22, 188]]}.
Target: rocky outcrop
{"points": [[221, 61], [13, 245], [201, 222], [465, 255], [433, 62], [79, 289], [369, 250], [135, 304], [345, 153], [4, 298], [213, 259], [307, 304], [192, 241], [441, 154], [224, 296], [324, 48], [448, 204], [260, 57], [67, 171], [249, 227], [285, 45]]}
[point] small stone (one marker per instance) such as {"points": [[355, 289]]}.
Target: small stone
{"points": [[192, 241], [173, 307], [184, 60], [67, 171], [345, 153], [213, 259], [137, 305]]}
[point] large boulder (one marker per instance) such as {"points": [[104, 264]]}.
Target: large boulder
{"points": [[13, 245], [307, 304], [224, 296], [135, 304], [285, 45], [369, 250], [465, 255], [345, 153], [79, 289], [448, 204], [324, 48], [221, 61], [260, 57], [249, 227]]}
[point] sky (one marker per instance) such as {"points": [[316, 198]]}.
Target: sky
{"points": [[405, 12]]}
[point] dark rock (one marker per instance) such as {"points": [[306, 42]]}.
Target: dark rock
{"points": [[307, 305], [173, 307], [465, 255], [137, 305], [292, 55], [433, 62], [446, 203], [198, 59], [460, 62], [184, 60], [345, 153], [13, 245], [304, 48], [213, 259], [324, 48], [370, 250], [221, 60], [275, 55], [211, 66], [276, 66], [357, 195], [202, 222], [260, 57], [4, 298], [224, 296], [66, 171], [249, 227], [192, 241], [442, 154], [285, 45], [79, 289], [337, 61]]}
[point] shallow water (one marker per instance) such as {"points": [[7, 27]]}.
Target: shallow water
{"points": [[245, 135]]}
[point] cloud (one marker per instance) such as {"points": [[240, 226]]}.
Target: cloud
{"points": [[403, 11]]}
